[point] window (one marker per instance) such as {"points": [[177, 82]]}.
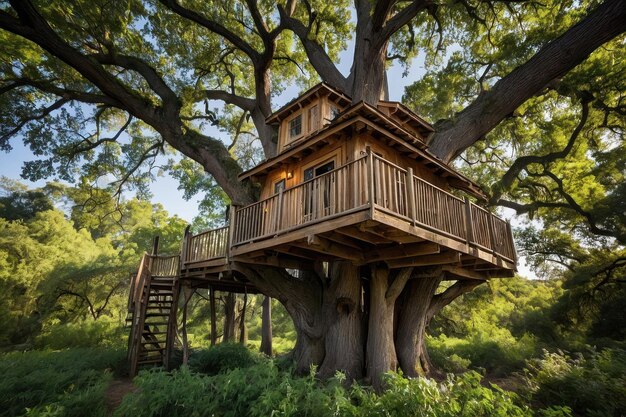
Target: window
{"points": [[279, 186], [295, 126], [334, 111], [318, 192]]}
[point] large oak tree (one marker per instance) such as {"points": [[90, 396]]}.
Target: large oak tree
{"points": [[101, 87]]}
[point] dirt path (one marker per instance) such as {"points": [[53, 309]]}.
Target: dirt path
{"points": [[116, 392]]}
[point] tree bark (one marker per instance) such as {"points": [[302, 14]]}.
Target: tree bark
{"points": [[412, 323], [380, 351], [230, 303], [266, 327], [343, 333], [243, 329]]}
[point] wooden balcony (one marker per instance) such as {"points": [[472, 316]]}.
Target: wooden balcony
{"points": [[365, 211]]}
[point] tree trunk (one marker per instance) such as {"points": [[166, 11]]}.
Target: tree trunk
{"points": [[187, 294], [342, 314], [412, 323], [213, 316], [368, 72], [230, 303], [381, 356], [266, 327], [243, 330]]}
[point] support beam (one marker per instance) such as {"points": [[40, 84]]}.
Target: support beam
{"points": [[322, 245], [426, 260], [402, 251], [460, 272]]}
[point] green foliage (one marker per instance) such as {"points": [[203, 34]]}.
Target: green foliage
{"points": [[496, 327], [64, 383], [263, 390], [594, 385], [221, 358], [83, 334]]}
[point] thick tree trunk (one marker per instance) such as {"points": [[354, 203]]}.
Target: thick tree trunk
{"points": [[412, 323], [367, 78], [343, 331], [230, 303], [381, 355], [380, 352], [266, 327]]}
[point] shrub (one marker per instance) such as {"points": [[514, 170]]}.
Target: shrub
{"points": [[223, 357], [594, 386], [83, 334], [262, 390], [67, 383]]}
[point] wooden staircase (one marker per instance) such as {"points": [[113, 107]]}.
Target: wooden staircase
{"points": [[152, 307]]}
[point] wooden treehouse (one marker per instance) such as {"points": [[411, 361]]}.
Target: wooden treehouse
{"points": [[349, 182]]}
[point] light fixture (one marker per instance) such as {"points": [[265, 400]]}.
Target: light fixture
{"points": [[289, 175]]}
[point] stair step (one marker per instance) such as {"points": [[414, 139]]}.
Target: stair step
{"points": [[149, 361], [154, 349], [157, 315], [155, 333], [157, 324], [153, 342]]}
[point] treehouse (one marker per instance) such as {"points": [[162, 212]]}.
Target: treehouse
{"points": [[350, 182], [357, 183]]}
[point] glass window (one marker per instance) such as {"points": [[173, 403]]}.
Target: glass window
{"points": [[295, 126], [279, 186]]}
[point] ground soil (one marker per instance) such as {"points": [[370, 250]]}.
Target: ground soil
{"points": [[116, 392]]}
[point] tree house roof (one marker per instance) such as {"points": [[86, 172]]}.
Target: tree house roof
{"points": [[364, 117]]}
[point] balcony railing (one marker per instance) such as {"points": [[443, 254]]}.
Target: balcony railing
{"points": [[206, 246], [396, 191]]}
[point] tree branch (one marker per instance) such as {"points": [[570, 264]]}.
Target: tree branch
{"points": [[522, 162], [214, 27], [552, 61], [315, 52]]}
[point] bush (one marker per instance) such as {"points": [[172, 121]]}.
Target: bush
{"points": [[67, 383], [263, 390], [223, 357], [83, 334], [593, 386]]}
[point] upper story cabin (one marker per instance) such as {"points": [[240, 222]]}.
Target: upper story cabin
{"points": [[356, 182]]}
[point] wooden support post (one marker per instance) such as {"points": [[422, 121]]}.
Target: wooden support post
{"points": [[492, 237], [469, 229], [411, 195], [231, 230], [213, 318], [370, 179], [184, 252], [242, 321], [511, 241]]}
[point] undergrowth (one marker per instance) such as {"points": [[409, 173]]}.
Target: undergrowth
{"points": [[57, 383]]}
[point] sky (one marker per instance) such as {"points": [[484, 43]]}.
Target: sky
{"points": [[165, 188]]}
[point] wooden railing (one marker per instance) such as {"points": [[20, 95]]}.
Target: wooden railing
{"points": [[395, 190], [334, 193], [165, 266], [211, 244]]}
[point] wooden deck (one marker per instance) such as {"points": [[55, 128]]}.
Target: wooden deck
{"points": [[366, 211]]}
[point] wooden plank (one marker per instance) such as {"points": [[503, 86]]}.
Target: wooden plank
{"points": [[464, 272], [402, 251], [427, 260], [343, 239], [356, 233], [321, 245], [303, 232]]}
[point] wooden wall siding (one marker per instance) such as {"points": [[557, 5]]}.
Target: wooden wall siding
{"points": [[207, 245], [339, 191]]}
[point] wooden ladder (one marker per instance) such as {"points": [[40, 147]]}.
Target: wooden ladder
{"points": [[152, 306]]}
